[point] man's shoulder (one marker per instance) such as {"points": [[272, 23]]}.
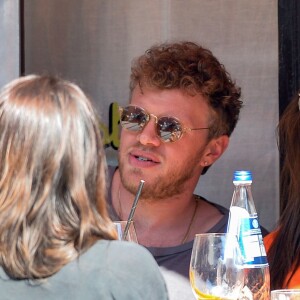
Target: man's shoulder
{"points": [[221, 226], [223, 210]]}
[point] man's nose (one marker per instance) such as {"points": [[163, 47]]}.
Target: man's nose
{"points": [[148, 135]]}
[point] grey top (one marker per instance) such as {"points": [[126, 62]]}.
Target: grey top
{"points": [[108, 270]]}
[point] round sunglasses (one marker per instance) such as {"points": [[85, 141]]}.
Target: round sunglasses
{"points": [[168, 129]]}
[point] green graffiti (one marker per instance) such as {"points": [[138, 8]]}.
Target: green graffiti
{"points": [[111, 132]]}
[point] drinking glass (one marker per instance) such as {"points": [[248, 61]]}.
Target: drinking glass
{"points": [[216, 268], [120, 228], [285, 294]]}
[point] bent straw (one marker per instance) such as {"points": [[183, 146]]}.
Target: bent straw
{"points": [[137, 196]]}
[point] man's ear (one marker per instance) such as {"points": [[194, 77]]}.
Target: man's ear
{"points": [[214, 149]]}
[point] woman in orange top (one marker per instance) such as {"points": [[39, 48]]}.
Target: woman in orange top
{"points": [[283, 244]]}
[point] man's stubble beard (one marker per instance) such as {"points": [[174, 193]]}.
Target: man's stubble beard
{"points": [[163, 186]]}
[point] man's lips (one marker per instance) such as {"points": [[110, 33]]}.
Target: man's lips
{"points": [[142, 156]]}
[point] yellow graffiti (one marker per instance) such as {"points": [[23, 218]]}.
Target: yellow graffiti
{"points": [[110, 133]]}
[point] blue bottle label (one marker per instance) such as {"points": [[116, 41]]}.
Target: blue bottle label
{"points": [[251, 243]]}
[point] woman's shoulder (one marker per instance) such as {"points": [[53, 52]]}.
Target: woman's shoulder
{"points": [[269, 238], [116, 254], [131, 265], [116, 245], [129, 253]]}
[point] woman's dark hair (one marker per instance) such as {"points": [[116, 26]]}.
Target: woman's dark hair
{"points": [[284, 253]]}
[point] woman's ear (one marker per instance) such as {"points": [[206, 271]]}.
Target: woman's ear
{"points": [[214, 149]]}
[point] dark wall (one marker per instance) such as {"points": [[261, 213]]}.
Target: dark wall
{"points": [[289, 50], [289, 57]]}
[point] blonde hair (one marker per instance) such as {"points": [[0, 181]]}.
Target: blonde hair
{"points": [[52, 176]]}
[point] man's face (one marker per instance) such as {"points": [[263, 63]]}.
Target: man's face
{"points": [[167, 168]]}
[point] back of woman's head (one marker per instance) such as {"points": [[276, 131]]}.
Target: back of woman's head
{"points": [[52, 176]]}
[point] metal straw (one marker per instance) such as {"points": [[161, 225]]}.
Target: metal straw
{"points": [[137, 196]]}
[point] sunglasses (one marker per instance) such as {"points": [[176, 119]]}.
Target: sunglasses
{"points": [[168, 129]]}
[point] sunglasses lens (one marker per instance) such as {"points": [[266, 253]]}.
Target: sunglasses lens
{"points": [[133, 118], [169, 129]]}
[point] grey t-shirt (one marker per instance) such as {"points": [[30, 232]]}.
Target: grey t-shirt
{"points": [[108, 270], [174, 262]]}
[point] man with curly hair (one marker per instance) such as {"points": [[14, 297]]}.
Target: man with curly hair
{"points": [[183, 108]]}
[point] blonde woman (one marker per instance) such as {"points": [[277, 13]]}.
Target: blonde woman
{"points": [[56, 239]]}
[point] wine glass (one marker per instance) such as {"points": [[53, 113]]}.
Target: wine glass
{"points": [[131, 234], [285, 294], [216, 268]]}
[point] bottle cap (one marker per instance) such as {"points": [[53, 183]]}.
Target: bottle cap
{"points": [[242, 176]]}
